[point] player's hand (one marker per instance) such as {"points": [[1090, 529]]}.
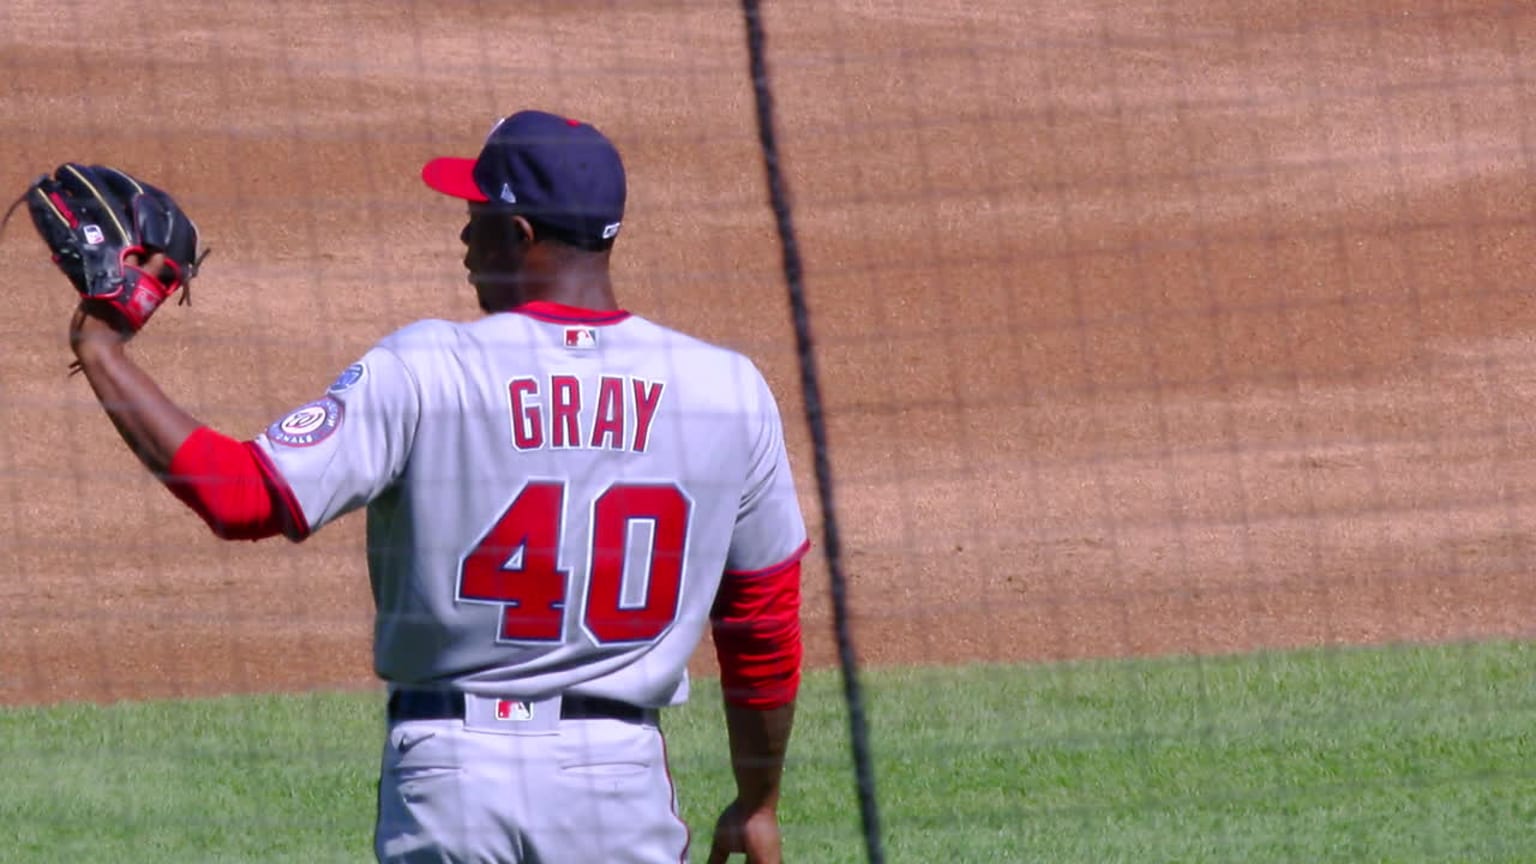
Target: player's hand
{"points": [[92, 319], [754, 833], [94, 326]]}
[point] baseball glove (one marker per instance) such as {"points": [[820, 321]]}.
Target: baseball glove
{"points": [[104, 227]]}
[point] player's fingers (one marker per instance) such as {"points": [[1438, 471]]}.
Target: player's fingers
{"points": [[149, 265], [725, 841], [155, 265]]}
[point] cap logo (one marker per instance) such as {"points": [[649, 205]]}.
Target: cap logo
{"points": [[507, 194], [611, 230]]}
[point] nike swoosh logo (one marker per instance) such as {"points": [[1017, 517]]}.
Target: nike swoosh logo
{"points": [[409, 742]]}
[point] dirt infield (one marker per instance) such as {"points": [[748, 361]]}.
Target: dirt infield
{"points": [[1145, 326]]}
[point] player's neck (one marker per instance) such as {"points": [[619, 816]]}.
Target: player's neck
{"points": [[600, 302], [590, 291], [581, 281]]}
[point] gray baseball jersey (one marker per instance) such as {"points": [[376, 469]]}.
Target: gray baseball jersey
{"points": [[553, 496]]}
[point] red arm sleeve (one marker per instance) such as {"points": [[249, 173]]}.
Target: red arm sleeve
{"points": [[233, 488], [756, 628]]}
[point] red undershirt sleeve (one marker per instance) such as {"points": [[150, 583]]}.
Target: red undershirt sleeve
{"points": [[234, 488], [756, 627]]}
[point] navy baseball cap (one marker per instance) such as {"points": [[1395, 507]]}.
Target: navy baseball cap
{"points": [[563, 175]]}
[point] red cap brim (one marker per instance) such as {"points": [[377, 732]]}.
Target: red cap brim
{"points": [[454, 176]]}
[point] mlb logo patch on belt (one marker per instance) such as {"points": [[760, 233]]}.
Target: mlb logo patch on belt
{"points": [[514, 711]]}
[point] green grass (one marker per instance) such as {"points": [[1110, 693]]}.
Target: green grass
{"points": [[1407, 754]]}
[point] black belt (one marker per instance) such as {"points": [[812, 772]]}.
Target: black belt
{"points": [[449, 705]]}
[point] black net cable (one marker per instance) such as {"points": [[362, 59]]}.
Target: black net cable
{"points": [[810, 384]]}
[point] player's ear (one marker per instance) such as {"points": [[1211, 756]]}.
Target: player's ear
{"points": [[523, 230]]}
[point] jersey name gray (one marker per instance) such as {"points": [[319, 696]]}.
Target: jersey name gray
{"points": [[549, 413]]}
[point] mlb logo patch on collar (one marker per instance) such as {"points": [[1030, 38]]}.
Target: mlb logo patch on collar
{"points": [[584, 338]]}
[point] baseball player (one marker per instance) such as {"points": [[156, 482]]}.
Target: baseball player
{"points": [[561, 497]]}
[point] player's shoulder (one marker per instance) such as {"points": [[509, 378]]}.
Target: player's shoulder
{"points": [[678, 340], [426, 340], [732, 374], [427, 332]]}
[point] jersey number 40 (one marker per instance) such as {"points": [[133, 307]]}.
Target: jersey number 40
{"points": [[517, 564]]}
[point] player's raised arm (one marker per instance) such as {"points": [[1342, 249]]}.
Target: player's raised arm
{"points": [[218, 477], [152, 426], [126, 247]]}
